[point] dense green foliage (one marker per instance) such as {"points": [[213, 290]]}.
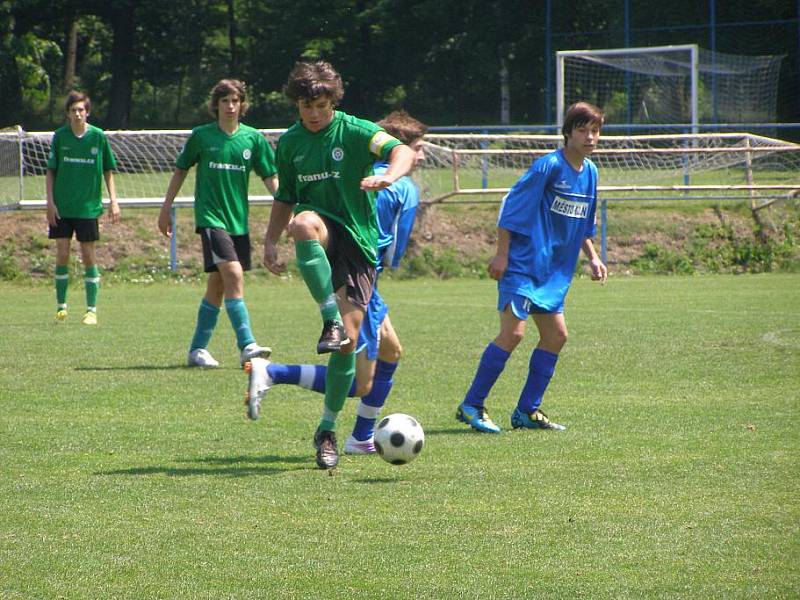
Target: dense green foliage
{"points": [[127, 475], [150, 64]]}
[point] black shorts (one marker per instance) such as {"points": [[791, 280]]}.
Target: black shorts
{"points": [[349, 266], [86, 230], [220, 246]]}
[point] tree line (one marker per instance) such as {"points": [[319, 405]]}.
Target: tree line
{"points": [[150, 64]]}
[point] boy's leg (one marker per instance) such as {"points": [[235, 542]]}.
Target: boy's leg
{"points": [[311, 235], [62, 276], [492, 362], [207, 316], [552, 337], [91, 281]]}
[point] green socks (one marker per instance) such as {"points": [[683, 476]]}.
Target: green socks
{"points": [[91, 281], [338, 379], [316, 271], [62, 283], [207, 316], [240, 320]]}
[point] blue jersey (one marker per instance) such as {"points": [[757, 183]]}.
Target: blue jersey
{"points": [[396, 209], [549, 212]]}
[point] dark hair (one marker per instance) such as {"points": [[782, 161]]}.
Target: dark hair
{"points": [[75, 96], [310, 80], [225, 87], [579, 114], [403, 126]]}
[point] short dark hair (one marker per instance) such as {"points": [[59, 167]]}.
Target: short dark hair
{"points": [[76, 96], [225, 87], [310, 80], [403, 126], [579, 114]]}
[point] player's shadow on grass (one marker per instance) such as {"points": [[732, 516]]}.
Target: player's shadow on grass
{"points": [[450, 431], [233, 466]]}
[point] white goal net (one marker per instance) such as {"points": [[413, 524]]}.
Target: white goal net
{"points": [[467, 167], [669, 85], [145, 162]]}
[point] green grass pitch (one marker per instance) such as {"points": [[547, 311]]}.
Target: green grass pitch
{"points": [[125, 475]]}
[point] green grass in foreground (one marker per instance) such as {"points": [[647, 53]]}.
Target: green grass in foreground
{"points": [[126, 475]]}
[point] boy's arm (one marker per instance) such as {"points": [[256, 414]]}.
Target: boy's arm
{"points": [[165, 216], [599, 270], [279, 218], [401, 161], [113, 209], [499, 262], [272, 184], [52, 210]]}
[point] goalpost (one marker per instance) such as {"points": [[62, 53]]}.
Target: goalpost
{"points": [[674, 88]]}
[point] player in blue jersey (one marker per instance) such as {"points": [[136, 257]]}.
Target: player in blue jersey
{"points": [[378, 349], [545, 220]]}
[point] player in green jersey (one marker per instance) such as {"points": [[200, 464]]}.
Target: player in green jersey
{"points": [[325, 164], [80, 158], [225, 152]]}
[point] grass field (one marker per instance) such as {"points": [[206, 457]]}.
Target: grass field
{"points": [[126, 475]]}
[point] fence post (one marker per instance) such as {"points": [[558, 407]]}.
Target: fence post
{"points": [[173, 243], [21, 164], [484, 162], [603, 229]]}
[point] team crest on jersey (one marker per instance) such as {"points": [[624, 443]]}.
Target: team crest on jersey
{"points": [[246, 154], [94, 150], [337, 154]]}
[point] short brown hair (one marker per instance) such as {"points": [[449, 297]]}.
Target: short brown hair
{"points": [[403, 126], [225, 87], [75, 96], [579, 114], [309, 80]]}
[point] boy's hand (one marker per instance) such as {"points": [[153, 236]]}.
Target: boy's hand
{"points": [[497, 266], [113, 211], [599, 271], [271, 261], [165, 220], [375, 183]]}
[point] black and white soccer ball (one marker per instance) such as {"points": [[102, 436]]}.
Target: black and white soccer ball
{"points": [[399, 439]]}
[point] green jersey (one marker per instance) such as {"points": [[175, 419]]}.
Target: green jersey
{"points": [[322, 171], [223, 173], [78, 164]]}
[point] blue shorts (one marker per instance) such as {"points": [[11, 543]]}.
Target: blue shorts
{"points": [[523, 306], [370, 335]]}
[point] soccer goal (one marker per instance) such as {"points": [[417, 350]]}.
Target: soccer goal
{"points": [[736, 166], [145, 162], [674, 88]]}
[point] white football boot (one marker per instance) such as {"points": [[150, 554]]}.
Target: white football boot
{"points": [[253, 350], [258, 383], [201, 358]]}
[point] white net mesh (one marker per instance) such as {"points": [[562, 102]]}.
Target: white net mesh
{"points": [[145, 162], [653, 86], [463, 166]]}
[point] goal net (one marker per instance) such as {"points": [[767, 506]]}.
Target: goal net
{"points": [[145, 162], [473, 168], [670, 85]]}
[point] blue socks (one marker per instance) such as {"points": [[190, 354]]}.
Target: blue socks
{"points": [[493, 361], [310, 377], [540, 370], [207, 316], [370, 406], [240, 319]]}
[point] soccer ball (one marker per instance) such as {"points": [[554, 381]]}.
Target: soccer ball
{"points": [[399, 439]]}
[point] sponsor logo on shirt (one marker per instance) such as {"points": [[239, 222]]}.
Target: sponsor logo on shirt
{"points": [[225, 166], [337, 154], [318, 176], [83, 161], [570, 208]]}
